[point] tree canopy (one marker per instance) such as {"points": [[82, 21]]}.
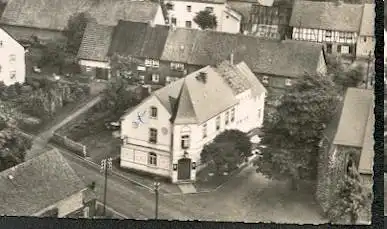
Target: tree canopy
{"points": [[227, 150], [352, 199], [206, 20], [344, 77], [74, 32], [293, 135]]}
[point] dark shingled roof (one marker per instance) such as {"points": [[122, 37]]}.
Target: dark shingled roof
{"points": [[326, 15], [37, 183], [138, 39], [54, 14], [96, 42], [287, 58]]}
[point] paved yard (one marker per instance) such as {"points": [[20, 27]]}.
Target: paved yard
{"points": [[250, 197]]}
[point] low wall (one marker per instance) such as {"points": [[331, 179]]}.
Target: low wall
{"points": [[69, 144]]}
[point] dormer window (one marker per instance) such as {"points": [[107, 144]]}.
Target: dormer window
{"points": [[153, 113], [265, 79], [288, 82]]}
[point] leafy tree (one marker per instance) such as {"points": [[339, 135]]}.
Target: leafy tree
{"points": [[344, 77], [292, 137], [76, 26], [206, 20], [352, 198], [122, 67], [54, 55], [13, 146], [227, 150], [118, 97]]}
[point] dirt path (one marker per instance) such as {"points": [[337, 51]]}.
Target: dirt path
{"points": [[40, 141]]}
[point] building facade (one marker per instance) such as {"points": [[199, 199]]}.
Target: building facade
{"points": [[12, 60], [366, 40], [336, 25], [165, 134], [182, 13]]}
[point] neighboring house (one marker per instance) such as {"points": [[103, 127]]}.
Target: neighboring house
{"points": [[335, 24], [12, 60], [270, 21], [182, 13], [366, 40], [348, 142], [46, 19], [182, 117], [164, 54], [45, 185]]}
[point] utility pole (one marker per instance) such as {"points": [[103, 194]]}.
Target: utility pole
{"points": [[106, 165], [368, 69], [157, 185]]}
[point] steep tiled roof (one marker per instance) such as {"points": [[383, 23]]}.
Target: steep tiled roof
{"points": [[191, 100], [354, 117], [368, 20], [96, 42], [287, 58], [54, 14], [37, 183], [138, 39], [326, 15]]}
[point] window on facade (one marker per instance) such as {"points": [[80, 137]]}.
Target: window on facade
{"points": [[155, 78], [189, 8], [226, 118], [12, 75], [185, 141], [86, 212], [169, 6], [232, 115], [328, 34], [148, 62], [152, 158], [365, 39], [142, 77], [339, 48], [211, 9], [259, 113], [329, 48], [218, 123], [288, 82], [155, 63], [173, 21], [345, 49], [88, 69], [177, 66], [153, 112], [12, 58], [341, 37], [204, 130], [265, 79], [152, 135], [1, 44], [188, 24]]}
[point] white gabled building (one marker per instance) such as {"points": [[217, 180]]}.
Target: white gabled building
{"points": [[181, 13], [182, 117], [12, 60]]}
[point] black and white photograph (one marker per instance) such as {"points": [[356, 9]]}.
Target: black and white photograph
{"points": [[255, 111]]}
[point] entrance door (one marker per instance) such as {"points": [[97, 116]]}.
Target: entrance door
{"points": [[184, 169]]}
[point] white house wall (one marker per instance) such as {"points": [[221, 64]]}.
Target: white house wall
{"points": [[66, 206], [94, 64], [365, 46], [136, 146], [182, 15], [9, 47], [159, 18], [320, 35]]}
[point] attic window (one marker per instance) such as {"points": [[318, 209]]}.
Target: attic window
{"points": [[288, 82]]}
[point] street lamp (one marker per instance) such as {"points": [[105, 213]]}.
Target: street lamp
{"points": [[156, 189], [106, 165]]}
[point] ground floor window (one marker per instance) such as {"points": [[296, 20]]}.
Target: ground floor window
{"points": [[329, 48], [152, 159]]}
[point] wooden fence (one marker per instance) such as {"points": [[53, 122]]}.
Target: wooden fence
{"points": [[69, 144]]}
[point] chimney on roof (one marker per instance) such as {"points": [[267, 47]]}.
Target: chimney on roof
{"points": [[202, 77], [232, 58]]}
